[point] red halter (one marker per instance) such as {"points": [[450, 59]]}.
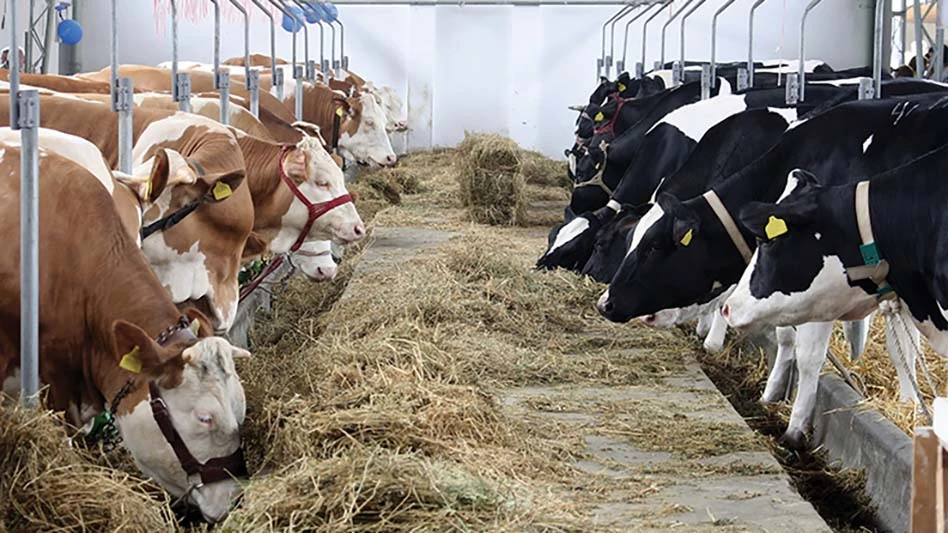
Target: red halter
{"points": [[610, 127], [315, 210]]}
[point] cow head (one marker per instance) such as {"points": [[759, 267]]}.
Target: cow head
{"points": [[5, 58], [612, 243], [589, 192], [314, 259], [678, 257], [571, 243], [362, 133], [319, 179], [205, 399], [797, 275], [387, 97]]}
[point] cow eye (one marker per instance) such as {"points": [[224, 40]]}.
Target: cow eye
{"points": [[205, 419]]}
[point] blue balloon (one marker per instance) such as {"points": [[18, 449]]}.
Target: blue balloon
{"points": [[296, 22], [69, 31], [331, 12], [312, 15]]}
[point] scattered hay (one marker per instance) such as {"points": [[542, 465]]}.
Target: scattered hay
{"points": [[46, 485], [880, 378], [538, 169], [492, 187]]}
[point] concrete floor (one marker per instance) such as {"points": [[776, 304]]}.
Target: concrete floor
{"points": [[645, 489]]}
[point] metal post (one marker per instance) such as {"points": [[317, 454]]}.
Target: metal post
{"points": [[750, 42], [919, 52], [601, 61], [342, 43], [621, 65], [668, 23], [877, 59], [866, 89], [276, 75], [29, 221], [297, 70], [939, 55], [323, 62], [612, 36], [714, 41], [336, 64], [180, 81], [665, 6], [121, 102], [681, 37], [309, 76], [802, 69], [221, 76], [50, 35]]}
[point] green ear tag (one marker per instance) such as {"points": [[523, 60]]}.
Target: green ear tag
{"points": [[870, 253], [686, 240], [775, 227], [599, 117], [222, 190], [195, 326], [621, 87], [131, 362]]}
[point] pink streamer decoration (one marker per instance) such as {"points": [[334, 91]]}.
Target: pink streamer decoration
{"points": [[194, 11]]}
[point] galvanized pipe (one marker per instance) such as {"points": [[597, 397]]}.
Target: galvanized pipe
{"points": [[306, 65], [297, 70], [620, 66], [681, 34], [342, 44], [665, 6], [939, 55], [601, 62], [877, 59], [121, 101], [750, 42], [612, 36], [919, 53], [668, 23], [180, 82], [332, 50], [24, 116], [221, 76], [50, 35], [276, 75], [802, 69], [714, 41]]}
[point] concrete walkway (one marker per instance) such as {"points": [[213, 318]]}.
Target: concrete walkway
{"points": [[642, 486]]}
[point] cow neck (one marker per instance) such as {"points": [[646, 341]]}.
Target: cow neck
{"points": [[319, 107], [263, 160], [131, 293]]}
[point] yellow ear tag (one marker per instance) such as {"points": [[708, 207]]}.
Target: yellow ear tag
{"points": [[195, 327], [599, 117], [597, 166], [131, 362], [148, 188], [775, 227], [621, 87], [686, 240], [222, 190], [339, 111]]}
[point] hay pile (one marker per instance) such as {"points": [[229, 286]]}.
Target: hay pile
{"points": [[46, 485], [492, 187]]}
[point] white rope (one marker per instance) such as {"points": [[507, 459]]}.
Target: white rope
{"points": [[900, 352]]}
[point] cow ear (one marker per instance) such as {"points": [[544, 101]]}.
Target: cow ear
{"points": [[254, 246], [805, 177], [158, 179], [755, 216], [222, 186], [138, 353], [685, 226], [200, 325]]}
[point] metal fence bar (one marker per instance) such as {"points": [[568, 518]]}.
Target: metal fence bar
{"points": [[939, 55], [879, 47], [668, 23], [309, 75], [622, 65], [601, 61], [297, 70], [612, 37], [221, 76], [276, 75], [919, 53], [180, 81], [121, 89], [714, 41], [655, 15], [681, 37], [802, 70], [750, 42]]}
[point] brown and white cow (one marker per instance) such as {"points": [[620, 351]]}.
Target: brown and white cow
{"points": [[198, 259], [66, 84], [111, 338]]}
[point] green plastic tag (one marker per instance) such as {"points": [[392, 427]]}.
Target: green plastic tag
{"points": [[870, 253]]}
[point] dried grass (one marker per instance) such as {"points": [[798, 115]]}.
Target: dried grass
{"points": [[46, 485], [492, 187]]}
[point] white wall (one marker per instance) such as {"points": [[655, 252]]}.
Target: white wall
{"points": [[510, 70]]}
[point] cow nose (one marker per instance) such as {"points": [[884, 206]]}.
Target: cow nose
{"points": [[391, 160], [648, 319], [604, 305], [359, 231], [726, 311]]}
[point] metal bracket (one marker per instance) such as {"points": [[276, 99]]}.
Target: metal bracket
{"points": [[297, 72], [743, 79], [620, 67], [253, 80], [28, 107], [678, 73], [608, 64], [182, 87], [705, 82], [324, 68], [311, 70], [277, 76], [639, 70], [658, 65], [336, 65], [223, 79], [599, 64], [122, 95], [345, 62], [793, 88], [867, 89]]}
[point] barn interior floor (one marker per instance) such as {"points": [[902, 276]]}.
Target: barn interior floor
{"points": [[670, 454]]}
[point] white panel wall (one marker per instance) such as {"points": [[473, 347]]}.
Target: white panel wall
{"points": [[505, 69]]}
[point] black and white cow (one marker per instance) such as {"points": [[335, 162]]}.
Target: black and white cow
{"points": [[628, 170], [660, 271]]}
